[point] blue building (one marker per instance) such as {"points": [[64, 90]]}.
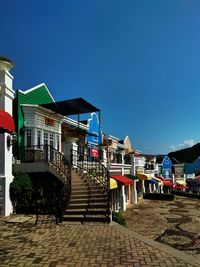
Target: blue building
{"points": [[194, 167]]}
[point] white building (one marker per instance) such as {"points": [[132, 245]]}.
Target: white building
{"points": [[6, 127]]}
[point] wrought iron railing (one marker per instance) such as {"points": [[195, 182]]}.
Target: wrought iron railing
{"points": [[46, 153], [93, 167]]}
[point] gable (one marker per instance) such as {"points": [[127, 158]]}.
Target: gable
{"points": [[127, 145], [166, 163], [37, 95]]}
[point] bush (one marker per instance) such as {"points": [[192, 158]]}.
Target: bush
{"points": [[158, 196], [21, 190], [119, 218], [185, 194]]}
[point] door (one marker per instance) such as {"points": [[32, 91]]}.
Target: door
{"points": [[48, 146]]}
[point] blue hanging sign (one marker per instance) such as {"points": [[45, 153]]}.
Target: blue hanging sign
{"points": [[94, 136]]}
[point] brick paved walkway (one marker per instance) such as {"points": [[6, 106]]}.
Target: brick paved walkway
{"points": [[177, 222], [48, 244]]}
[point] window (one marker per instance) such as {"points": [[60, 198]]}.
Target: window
{"points": [[51, 138], [45, 138], [28, 137], [58, 142], [38, 139]]}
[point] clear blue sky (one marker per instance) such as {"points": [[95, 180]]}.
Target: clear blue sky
{"points": [[138, 61]]}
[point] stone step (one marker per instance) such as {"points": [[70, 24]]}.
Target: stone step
{"points": [[76, 177], [86, 196], [79, 188], [86, 200], [85, 191], [93, 211], [100, 205], [77, 182], [87, 218]]}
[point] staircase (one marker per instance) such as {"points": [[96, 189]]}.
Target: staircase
{"points": [[46, 159], [85, 192], [89, 202]]}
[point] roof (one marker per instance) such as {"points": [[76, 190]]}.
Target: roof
{"points": [[168, 183], [113, 183], [159, 159], [144, 176], [122, 179], [71, 107], [132, 177], [7, 124]]}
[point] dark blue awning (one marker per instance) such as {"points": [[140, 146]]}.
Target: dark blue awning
{"points": [[153, 181]]}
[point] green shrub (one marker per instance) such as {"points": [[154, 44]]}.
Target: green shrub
{"points": [[21, 190], [158, 196], [185, 194], [119, 218]]}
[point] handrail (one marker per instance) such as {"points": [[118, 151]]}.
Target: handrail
{"points": [[92, 167], [46, 153]]}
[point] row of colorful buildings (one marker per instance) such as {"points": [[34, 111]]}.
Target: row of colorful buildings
{"points": [[34, 128]]}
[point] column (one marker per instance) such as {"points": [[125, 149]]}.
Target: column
{"points": [[6, 101], [123, 198]]}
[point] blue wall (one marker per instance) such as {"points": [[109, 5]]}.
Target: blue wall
{"points": [[192, 167], [94, 129]]}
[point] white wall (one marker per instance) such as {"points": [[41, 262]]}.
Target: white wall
{"points": [[6, 177]]}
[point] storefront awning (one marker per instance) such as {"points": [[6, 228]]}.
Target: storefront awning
{"points": [[7, 124], [113, 183], [143, 176], [132, 177], [122, 179], [153, 181], [180, 183], [168, 183], [160, 182], [181, 187]]}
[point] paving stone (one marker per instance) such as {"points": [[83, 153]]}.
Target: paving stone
{"points": [[53, 245]]}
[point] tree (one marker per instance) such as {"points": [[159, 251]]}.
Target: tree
{"points": [[21, 190]]}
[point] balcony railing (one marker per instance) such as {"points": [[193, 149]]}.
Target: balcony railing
{"points": [[51, 156], [48, 154]]}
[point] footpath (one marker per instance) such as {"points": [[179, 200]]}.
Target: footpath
{"points": [[22, 243]]}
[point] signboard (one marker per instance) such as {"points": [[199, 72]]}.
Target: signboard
{"points": [[166, 167], [94, 152], [49, 121]]}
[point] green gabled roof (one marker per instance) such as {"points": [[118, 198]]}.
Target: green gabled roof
{"points": [[36, 95]]}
